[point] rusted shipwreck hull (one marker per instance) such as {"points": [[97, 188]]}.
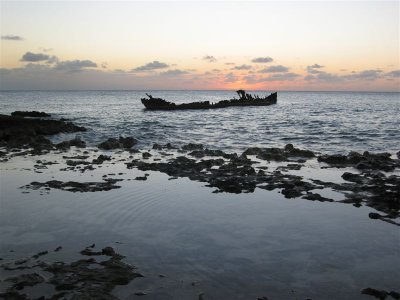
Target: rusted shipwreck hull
{"points": [[245, 99]]}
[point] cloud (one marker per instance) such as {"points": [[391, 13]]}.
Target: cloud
{"points": [[275, 69], [353, 76], [12, 38], [266, 59], [34, 57], [395, 74], [175, 72], [313, 69], [104, 65], [316, 66], [230, 77], [74, 65], [229, 63], [46, 49], [209, 58], [155, 65], [275, 77], [242, 67], [52, 59], [365, 75]]}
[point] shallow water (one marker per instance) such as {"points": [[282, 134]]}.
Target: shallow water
{"points": [[226, 246], [335, 122]]}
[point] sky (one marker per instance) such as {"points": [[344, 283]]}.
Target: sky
{"points": [[254, 45]]}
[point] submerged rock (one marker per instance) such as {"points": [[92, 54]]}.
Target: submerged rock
{"points": [[80, 279]]}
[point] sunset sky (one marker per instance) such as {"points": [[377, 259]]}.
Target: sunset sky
{"points": [[267, 45]]}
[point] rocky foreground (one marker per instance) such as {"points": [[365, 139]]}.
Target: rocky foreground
{"points": [[370, 179]]}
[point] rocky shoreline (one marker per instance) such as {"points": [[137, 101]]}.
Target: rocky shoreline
{"points": [[368, 179]]}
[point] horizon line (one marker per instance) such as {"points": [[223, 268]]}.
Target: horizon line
{"points": [[193, 90]]}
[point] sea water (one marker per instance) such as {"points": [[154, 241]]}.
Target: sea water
{"points": [[328, 122]]}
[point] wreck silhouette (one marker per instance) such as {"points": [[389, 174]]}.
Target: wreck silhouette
{"points": [[245, 99]]}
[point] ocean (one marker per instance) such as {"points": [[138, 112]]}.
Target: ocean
{"points": [[327, 122], [189, 240]]}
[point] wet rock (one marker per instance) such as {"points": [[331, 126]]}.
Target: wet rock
{"points": [[167, 146], [191, 147], [365, 161], [76, 142], [24, 280], [74, 163], [352, 177], [17, 132], [277, 154], [380, 294], [109, 251], [291, 151], [394, 294], [100, 159], [316, 197], [73, 186], [121, 143], [37, 255], [146, 155], [34, 114], [76, 157], [374, 216]]}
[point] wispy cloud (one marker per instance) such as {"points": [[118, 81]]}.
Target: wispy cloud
{"points": [[34, 57], [230, 77], [395, 74], [314, 69], [266, 59], [175, 72], [242, 67], [74, 65], [275, 77], [155, 65], [275, 69], [12, 38], [209, 58]]}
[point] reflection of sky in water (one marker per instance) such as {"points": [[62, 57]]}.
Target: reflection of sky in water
{"points": [[232, 246], [320, 121]]}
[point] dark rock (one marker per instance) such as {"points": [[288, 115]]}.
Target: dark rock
{"points": [[24, 280], [121, 143], [316, 197], [73, 186], [394, 294], [37, 255], [365, 161], [374, 216], [166, 146], [109, 251], [380, 294], [146, 155], [100, 159], [76, 142], [17, 132], [352, 177], [191, 147], [35, 114]]}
